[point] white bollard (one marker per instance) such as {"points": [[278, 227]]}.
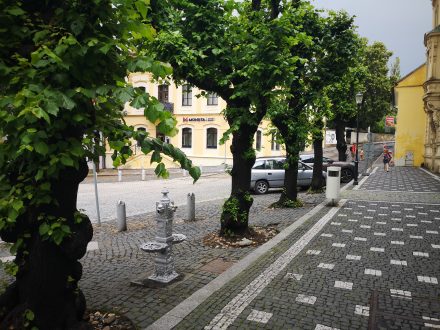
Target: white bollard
{"points": [[119, 175], [143, 174], [184, 172], [121, 216], [191, 207]]}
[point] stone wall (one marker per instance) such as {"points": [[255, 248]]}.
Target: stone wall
{"points": [[378, 137]]}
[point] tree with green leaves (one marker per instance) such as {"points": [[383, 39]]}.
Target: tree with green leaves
{"points": [[369, 76], [62, 70], [237, 50], [325, 57]]}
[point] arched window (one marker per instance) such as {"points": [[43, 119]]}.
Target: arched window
{"points": [[186, 137], [211, 138], [258, 141]]}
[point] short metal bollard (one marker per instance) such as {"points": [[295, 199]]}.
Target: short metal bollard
{"points": [[143, 175], [119, 175], [191, 207], [121, 216]]}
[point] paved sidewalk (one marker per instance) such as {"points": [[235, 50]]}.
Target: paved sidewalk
{"points": [[367, 264], [372, 261]]}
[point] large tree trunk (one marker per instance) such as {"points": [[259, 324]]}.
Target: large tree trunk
{"points": [[341, 145], [48, 274], [317, 179], [235, 213], [290, 191]]}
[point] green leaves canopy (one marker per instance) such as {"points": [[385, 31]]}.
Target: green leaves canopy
{"points": [[62, 80]]}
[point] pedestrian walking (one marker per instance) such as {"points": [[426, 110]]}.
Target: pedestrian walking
{"points": [[353, 151], [387, 156], [361, 154]]}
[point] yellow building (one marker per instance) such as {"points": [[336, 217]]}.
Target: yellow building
{"points": [[411, 119], [418, 101], [200, 123]]}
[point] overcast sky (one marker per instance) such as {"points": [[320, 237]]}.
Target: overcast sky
{"points": [[399, 24]]}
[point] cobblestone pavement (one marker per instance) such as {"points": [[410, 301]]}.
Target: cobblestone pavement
{"points": [[402, 179], [374, 260], [366, 264], [114, 259]]}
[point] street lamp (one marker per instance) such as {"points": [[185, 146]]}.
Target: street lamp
{"points": [[359, 97]]}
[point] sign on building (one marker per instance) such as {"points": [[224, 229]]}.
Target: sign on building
{"points": [[330, 137], [389, 121]]}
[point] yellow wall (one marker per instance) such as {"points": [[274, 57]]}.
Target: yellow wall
{"points": [[410, 127], [206, 115]]}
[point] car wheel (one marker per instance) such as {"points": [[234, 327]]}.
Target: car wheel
{"points": [[261, 187], [346, 175]]}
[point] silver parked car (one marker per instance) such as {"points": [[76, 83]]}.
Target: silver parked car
{"points": [[268, 172], [347, 168]]}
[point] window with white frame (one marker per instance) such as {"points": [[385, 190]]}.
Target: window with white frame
{"points": [[211, 138], [186, 137], [212, 99], [186, 95], [258, 141], [274, 145]]}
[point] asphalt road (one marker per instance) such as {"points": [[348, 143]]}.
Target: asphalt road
{"points": [[141, 196]]}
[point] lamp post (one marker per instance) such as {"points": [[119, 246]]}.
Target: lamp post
{"points": [[359, 97]]}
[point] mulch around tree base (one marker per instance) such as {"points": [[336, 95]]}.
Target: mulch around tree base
{"points": [[253, 237]]}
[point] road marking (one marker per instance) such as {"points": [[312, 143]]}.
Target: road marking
{"points": [[373, 272], [344, 285], [326, 266], [302, 298], [362, 310], [398, 262], [259, 316], [427, 279]]}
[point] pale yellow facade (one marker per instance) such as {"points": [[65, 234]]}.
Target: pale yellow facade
{"points": [[196, 117], [411, 119]]}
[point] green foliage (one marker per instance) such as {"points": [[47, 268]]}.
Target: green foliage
{"points": [[29, 317], [288, 203], [370, 76], [326, 52], [11, 268], [232, 207], [62, 80], [54, 229], [236, 49]]}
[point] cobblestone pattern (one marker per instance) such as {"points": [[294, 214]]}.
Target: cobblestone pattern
{"points": [[398, 257], [109, 270], [407, 179]]}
